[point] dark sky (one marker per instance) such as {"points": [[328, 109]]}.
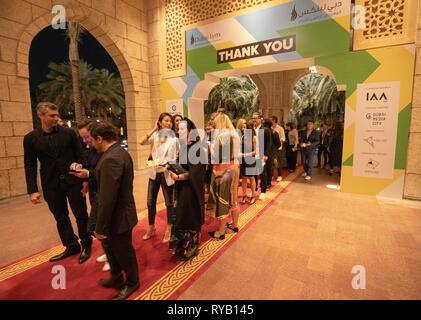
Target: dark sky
{"points": [[51, 45]]}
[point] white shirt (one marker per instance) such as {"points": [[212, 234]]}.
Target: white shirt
{"points": [[163, 153], [281, 132]]}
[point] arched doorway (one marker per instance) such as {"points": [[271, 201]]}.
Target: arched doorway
{"points": [[315, 97], [51, 78], [116, 49]]}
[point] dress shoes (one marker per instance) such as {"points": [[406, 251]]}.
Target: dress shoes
{"points": [[116, 283], [126, 291], [70, 251], [85, 254]]}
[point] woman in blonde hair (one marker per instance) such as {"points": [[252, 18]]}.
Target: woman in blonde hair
{"points": [[225, 176]]}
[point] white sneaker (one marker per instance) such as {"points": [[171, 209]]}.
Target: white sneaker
{"points": [[106, 267], [308, 178], [279, 179], [102, 258], [304, 174], [262, 196]]}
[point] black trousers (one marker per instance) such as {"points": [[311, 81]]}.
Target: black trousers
{"points": [[291, 157], [122, 257], [322, 150], [57, 203], [93, 199], [265, 178], [167, 191], [270, 166]]}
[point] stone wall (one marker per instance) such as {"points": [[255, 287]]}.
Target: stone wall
{"points": [[413, 165], [122, 27], [275, 90], [133, 32]]}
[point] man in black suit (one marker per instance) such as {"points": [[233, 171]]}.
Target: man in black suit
{"points": [[309, 141], [56, 147], [116, 213]]}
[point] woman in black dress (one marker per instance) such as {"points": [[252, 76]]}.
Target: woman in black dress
{"points": [[248, 161], [190, 189]]}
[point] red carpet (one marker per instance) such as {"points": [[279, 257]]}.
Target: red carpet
{"points": [[161, 276]]}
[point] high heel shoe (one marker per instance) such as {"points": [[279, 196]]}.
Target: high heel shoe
{"points": [[221, 237], [229, 226], [252, 201], [149, 233], [243, 201], [167, 236]]}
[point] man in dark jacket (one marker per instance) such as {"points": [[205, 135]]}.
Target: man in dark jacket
{"points": [[116, 213], [264, 150], [309, 141], [275, 145], [56, 147]]}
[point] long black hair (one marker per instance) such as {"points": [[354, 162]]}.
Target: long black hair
{"points": [[162, 116]]}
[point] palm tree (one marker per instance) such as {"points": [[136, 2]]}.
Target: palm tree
{"points": [[316, 96], [74, 32], [59, 88], [239, 96], [100, 91], [106, 96]]}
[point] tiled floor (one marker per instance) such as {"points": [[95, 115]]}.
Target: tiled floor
{"points": [[307, 243], [303, 247]]}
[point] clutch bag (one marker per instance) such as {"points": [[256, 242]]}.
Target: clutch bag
{"points": [[176, 168]]}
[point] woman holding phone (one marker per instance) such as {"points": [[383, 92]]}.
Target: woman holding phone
{"points": [[164, 149]]}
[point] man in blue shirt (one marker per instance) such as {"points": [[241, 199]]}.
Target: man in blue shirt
{"points": [[309, 141]]}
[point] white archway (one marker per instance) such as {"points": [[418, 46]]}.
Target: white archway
{"points": [[203, 88]]}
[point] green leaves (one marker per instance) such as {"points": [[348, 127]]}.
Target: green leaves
{"points": [[101, 91], [239, 96], [316, 96]]}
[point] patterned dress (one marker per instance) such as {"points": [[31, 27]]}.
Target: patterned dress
{"points": [[223, 195]]}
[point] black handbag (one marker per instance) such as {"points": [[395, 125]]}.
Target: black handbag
{"points": [[176, 168]]}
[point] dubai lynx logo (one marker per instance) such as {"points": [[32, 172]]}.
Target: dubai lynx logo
{"points": [[203, 38]]}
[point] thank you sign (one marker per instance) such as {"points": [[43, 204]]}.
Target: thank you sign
{"points": [[257, 49]]}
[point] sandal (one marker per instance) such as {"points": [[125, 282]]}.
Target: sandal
{"points": [[167, 236], [229, 226], [212, 234], [149, 233], [252, 200]]}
